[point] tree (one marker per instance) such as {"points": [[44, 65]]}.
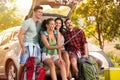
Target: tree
{"points": [[8, 15], [107, 17]]}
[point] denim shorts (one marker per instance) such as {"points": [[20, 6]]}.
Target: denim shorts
{"points": [[46, 56], [26, 55]]}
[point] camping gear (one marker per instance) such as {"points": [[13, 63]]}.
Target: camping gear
{"points": [[33, 70], [88, 69]]}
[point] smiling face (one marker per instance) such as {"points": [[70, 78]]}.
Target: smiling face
{"points": [[51, 25], [58, 24], [69, 24], [38, 13]]}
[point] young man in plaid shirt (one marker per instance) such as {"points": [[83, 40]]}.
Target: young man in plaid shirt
{"points": [[77, 45]]}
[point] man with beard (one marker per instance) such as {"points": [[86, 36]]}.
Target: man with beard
{"points": [[76, 46]]}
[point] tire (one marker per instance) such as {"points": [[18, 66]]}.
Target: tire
{"points": [[11, 71]]}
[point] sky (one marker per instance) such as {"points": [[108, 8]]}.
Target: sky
{"points": [[23, 6]]}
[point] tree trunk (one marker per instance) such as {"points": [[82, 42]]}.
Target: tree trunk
{"points": [[99, 35]]}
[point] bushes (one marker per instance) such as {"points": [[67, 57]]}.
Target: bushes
{"points": [[117, 46], [114, 58]]}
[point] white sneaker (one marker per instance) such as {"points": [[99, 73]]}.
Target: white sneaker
{"points": [[72, 79]]}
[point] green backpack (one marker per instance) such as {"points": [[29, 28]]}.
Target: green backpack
{"points": [[88, 69]]}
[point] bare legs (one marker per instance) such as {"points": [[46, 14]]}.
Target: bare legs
{"points": [[74, 66], [61, 65], [65, 56], [20, 71], [51, 65]]}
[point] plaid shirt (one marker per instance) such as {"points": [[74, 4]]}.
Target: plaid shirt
{"points": [[77, 43]]}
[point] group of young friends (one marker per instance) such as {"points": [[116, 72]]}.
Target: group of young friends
{"points": [[53, 52]]}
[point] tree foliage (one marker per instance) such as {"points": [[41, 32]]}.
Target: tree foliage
{"points": [[8, 15], [107, 16]]}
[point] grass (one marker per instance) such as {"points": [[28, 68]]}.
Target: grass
{"points": [[101, 76], [115, 60]]}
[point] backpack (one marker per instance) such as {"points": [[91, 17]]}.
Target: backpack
{"points": [[33, 70], [88, 69], [46, 34]]}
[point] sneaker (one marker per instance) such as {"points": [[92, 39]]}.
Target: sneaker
{"points": [[72, 79]]}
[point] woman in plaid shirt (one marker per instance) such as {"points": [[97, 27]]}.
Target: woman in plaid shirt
{"points": [[78, 45]]}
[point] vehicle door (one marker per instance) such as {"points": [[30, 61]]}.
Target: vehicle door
{"points": [[4, 47]]}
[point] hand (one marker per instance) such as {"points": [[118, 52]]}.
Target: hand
{"points": [[23, 50], [60, 46], [60, 60], [58, 28], [85, 56]]}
